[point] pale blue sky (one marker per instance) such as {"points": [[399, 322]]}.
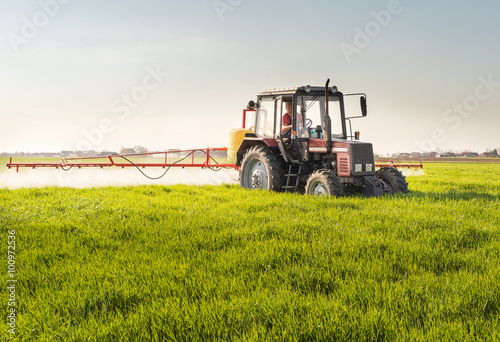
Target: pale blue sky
{"points": [[62, 87]]}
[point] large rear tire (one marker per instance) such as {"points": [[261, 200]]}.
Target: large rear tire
{"points": [[324, 183], [261, 169], [394, 178]]}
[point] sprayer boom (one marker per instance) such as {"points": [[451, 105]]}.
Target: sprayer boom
{"points": [[196, 158]]}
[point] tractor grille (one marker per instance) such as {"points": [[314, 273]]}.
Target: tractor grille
{"points": [[362, 159], [344, 165]]}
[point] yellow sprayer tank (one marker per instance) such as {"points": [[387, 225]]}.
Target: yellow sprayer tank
{"points": [[236, 136]]}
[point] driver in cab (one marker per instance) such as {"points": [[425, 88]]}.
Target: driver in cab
{"points": [[286, 120]]}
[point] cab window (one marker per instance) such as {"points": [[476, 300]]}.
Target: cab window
{"points": [[265, 118]]}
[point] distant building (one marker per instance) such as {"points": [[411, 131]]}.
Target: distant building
{"points": [[468, 155], [127, 151], [85, 154], [447, 154], [68, 154], [49, 155]]}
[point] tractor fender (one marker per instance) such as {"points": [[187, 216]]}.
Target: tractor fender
{"points": [[250, 142]]}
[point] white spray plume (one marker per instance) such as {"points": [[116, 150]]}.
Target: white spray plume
{"points": [[85, 178], [411, 172]]}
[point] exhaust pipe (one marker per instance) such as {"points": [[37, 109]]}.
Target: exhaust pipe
{"points": [[327, 123]]}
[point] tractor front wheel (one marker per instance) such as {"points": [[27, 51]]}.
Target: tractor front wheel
{"points": [[324, 183], [261, 169], [394, 178]]}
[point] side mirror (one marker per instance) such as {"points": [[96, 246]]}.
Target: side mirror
{"points": [[362, 101]]}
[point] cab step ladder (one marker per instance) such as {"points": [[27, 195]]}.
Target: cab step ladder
{"points": [[289, 179]]}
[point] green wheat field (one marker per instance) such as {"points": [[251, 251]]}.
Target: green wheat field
{"points": [[220, 263]]}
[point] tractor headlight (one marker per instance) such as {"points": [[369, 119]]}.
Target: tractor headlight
{"points": [[334, 89], [369, 167], [358, 168], [308, 88]]}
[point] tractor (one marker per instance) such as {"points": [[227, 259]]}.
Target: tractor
{"points": [[300, 143]]}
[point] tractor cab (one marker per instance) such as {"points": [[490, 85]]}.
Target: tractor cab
{"points": [[298, 121], [307, 113]]}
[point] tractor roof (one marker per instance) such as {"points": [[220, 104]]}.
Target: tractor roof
{"points": [[291, 90]]}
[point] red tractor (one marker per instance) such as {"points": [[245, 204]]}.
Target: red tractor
{"points": [[300, 142]]}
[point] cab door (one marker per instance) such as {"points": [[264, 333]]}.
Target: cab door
{"points": [[278, 116]]}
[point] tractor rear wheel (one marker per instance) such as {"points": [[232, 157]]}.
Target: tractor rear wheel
{"points": [[261, 169], [394, 178], [324, 183]]}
